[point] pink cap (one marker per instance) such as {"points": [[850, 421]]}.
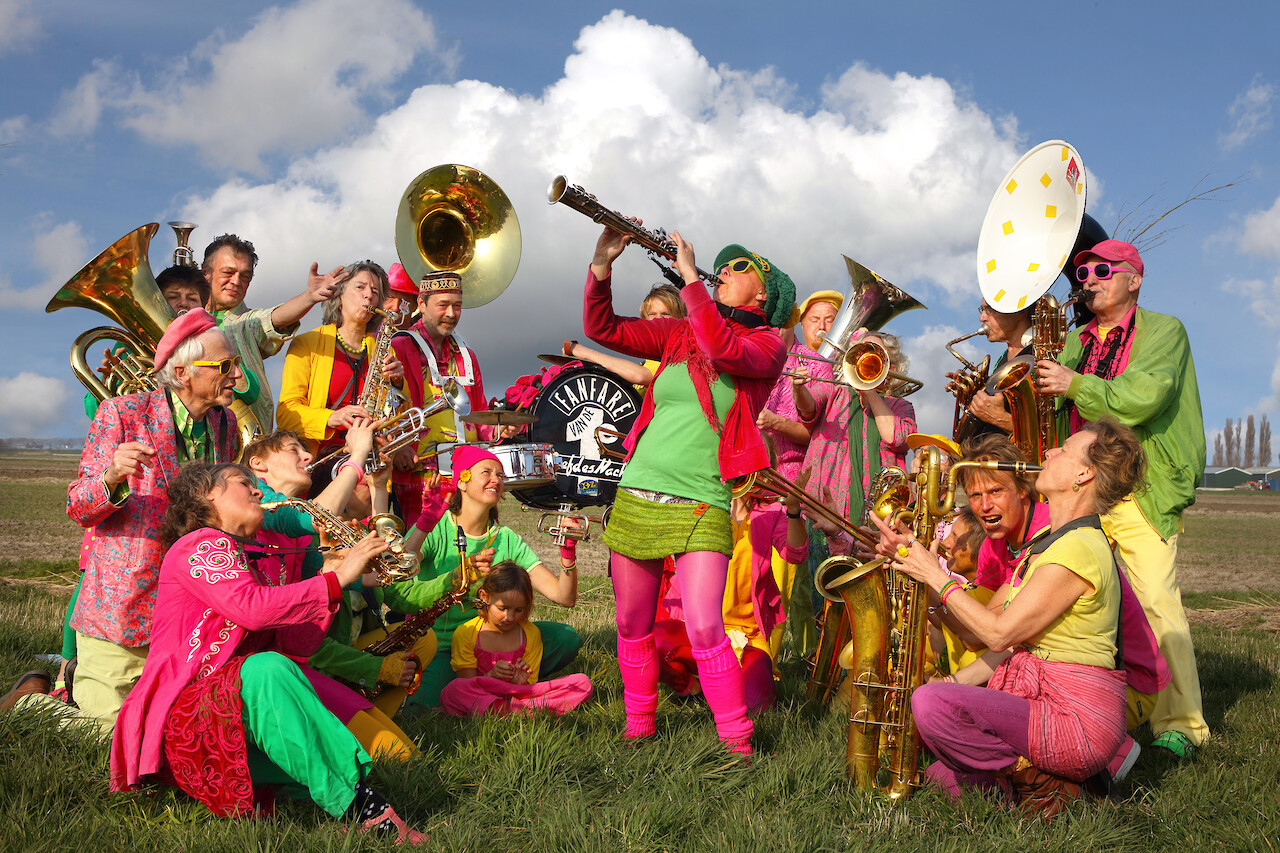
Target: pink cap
{"points": [[187, 325], [467, 455], [400, 281], [1113, 250]]}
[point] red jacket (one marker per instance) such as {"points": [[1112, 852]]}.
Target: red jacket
{"points": [[754, 357]]}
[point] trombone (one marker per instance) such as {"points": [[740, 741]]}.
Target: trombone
{"points": [[770, 482], [864, 366]]}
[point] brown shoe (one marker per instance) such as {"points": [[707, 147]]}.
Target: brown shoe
{"points": [[1038, 792], [32, 681]]}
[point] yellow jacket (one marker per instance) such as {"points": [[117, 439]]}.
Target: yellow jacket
{"points": [[304, 393]]}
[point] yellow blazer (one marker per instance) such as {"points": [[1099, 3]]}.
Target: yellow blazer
{"points": [[304, 393]]}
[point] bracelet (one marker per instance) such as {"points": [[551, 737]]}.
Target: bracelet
{"points": [[568, 348], [942, 596], [942, 591], [359, 469], [572, 567], [789, 515]]}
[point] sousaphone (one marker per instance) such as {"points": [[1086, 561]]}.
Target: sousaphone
{"points": [[455, 218]]}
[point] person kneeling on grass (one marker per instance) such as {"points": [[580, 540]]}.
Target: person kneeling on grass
{"points": [[1053, 712], [222, 710], [498, 654]]}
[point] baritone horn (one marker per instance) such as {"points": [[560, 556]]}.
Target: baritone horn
{"points": [[965, 383], [454, 218]]}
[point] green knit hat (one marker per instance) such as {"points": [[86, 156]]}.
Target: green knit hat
{"points": [[780, 290]]}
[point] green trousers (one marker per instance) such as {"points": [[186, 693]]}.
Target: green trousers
{"points": [[293, 740]]}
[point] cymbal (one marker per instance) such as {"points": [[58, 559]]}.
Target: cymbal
{"points": [[499, 417], [557, 358]]}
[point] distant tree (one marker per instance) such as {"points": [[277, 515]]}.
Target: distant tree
{"points": [[1250, 435], [1218, 455], [1231, 440], [1237, 444], [1264, 442]]}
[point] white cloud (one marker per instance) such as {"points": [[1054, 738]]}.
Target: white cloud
{"points": [[58, 251], [929, 362], [19, 26], [895, 171], [1250, 115], [300, 77], [13, 129], [1261, 233], [1260, 237], [31, 403]]}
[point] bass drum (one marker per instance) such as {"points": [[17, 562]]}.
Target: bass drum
{"points": [[570, 408]]}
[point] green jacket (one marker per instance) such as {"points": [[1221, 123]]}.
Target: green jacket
{"points": [[1158, 396]]}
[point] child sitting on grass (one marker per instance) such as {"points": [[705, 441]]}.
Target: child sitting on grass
{"points": [[497, 655]]}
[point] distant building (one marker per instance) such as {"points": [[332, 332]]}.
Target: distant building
{"points": [[1231, 477]]}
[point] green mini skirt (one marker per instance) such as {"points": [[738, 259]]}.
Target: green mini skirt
{"points": [[648, 530]]}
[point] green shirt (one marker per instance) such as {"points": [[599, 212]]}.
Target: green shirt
{"points": [[678, 454], [1158, 396]]}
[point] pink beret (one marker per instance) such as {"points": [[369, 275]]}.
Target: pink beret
{"points": [[188, 324], [400, 281], [467, 455]]}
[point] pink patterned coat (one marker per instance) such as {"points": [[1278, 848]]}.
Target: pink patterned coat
{"points": [[212, 607], [119, 589]]}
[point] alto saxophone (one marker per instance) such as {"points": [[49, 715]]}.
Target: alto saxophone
{"points": [[392, 566], [380, 398], [1035, 421], [889, 618]]}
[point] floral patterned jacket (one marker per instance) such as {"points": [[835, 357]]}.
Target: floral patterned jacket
{"points": [[120, 572]]}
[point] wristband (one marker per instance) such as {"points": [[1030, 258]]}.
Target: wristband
{"points": [[789, 515], [569, 551], [568, 348], [359, 469]]}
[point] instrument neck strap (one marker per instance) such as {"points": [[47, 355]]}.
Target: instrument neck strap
{"points": [[746, 318], [864, 438]]}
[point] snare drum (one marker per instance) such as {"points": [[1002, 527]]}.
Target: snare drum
{"points": [[569, 409], [526, 465]]}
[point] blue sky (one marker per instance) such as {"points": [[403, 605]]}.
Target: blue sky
{"points": [[879, 131]]}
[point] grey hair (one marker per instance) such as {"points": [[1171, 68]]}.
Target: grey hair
{"points": [[893, 345], [332, 315], [192, 349]]}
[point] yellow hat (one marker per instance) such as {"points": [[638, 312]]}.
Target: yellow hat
{"points": [[917, 440], [832, 296]]}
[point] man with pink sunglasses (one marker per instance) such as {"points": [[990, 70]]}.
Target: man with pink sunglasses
{"points": [[1135, 365]]}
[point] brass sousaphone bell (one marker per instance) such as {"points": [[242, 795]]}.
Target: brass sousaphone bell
{"points": [[455, 218]]}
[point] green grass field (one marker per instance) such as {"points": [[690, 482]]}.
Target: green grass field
{"points": [[536, 783]]}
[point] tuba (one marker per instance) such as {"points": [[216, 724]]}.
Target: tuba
{"points": [[456, 219], [870, 302], [120, 284]]}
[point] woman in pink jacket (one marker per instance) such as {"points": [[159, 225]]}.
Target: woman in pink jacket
{"points": [[222, 709], [696, 431]]}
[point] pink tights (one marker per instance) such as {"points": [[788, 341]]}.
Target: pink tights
{"points": [[702, 580]]}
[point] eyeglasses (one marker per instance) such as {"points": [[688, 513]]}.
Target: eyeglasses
{"points": [[741, 265], [984, 308], [1102, 271], [224, 367]]}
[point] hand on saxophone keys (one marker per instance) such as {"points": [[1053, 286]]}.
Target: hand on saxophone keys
{"points": [[1053, 378], [356, 560]]}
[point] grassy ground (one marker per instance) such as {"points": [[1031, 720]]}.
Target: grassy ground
{"points": [[570, 784]]}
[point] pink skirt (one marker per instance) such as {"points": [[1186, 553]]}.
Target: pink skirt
{"points": [[471, 697]]}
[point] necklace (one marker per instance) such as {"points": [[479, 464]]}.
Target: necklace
{"points": [[356, 350]]}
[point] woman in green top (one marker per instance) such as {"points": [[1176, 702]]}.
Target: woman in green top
{"points": [[473, 511]]}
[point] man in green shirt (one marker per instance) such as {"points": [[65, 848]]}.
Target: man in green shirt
{"points": [[1135, 366]]}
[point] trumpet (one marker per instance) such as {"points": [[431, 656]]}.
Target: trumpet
{"points": [[968, 379], [864, 366], [655, 242], [553, 523]]}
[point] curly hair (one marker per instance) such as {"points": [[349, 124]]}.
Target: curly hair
{"points": [[235, 244], [506, 576], [1119, 465], [332, 314], [668, 296], [996, 447], [898, 360], [189, 505]]}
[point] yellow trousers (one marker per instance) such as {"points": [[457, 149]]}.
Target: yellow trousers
{"points": [[105, 673], [393, 697], [1150, 561], [380, 737]]}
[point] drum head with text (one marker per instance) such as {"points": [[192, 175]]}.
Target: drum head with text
{"points": [[570, 409]]}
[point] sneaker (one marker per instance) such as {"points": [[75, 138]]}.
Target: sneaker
{"points": [[1175, 742], [388, 823], [1126, 756]]}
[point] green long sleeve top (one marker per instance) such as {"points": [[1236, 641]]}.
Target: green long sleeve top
{"points": [[1158, 396]]}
